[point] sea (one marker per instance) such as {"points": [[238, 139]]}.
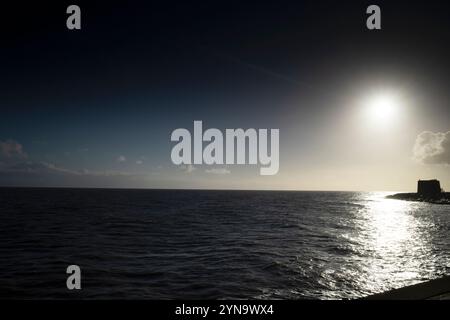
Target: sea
{"points": [[197, 244]]}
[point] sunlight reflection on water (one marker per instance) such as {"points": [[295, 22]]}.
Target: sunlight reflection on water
{"points": [[396, 241]]}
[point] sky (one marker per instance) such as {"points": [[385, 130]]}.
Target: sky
{"points": [[356, 109]]}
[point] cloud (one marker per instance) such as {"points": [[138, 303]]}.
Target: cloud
{"points": [[432, 148], [10, 150], [17, 169], [51, 168], [34, 167], [188, 168], [218, 171], [121, 159], [14, 160], [139, 162]]}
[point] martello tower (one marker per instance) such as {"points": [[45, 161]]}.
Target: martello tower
{"points": [[429, 188]]}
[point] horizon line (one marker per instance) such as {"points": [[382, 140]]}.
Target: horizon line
{"points": [[191, 189]]}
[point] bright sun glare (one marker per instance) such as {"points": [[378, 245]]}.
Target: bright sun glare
{"points": [[382, 108]]}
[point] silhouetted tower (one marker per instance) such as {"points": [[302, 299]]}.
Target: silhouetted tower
{"points": [[429, 188]]}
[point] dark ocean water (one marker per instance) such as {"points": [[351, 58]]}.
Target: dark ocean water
{"points": [[155, 244]]}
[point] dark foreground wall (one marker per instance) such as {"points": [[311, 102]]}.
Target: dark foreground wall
{"points": [[434, 289]]}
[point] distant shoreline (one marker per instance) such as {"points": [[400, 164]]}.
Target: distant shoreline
{"points": [[444, 198]]}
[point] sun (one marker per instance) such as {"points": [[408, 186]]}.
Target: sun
{"points": [[382, 108]]}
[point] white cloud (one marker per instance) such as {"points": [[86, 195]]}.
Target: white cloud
{"points": [[432, 148], [139, 162], [218, 171], [121, 159]]}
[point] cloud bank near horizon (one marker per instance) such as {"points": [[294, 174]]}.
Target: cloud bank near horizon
{"points": [[11, 150], [17, 168]]}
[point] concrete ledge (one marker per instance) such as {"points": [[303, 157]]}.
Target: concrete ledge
{"points": [[435, 289]]}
